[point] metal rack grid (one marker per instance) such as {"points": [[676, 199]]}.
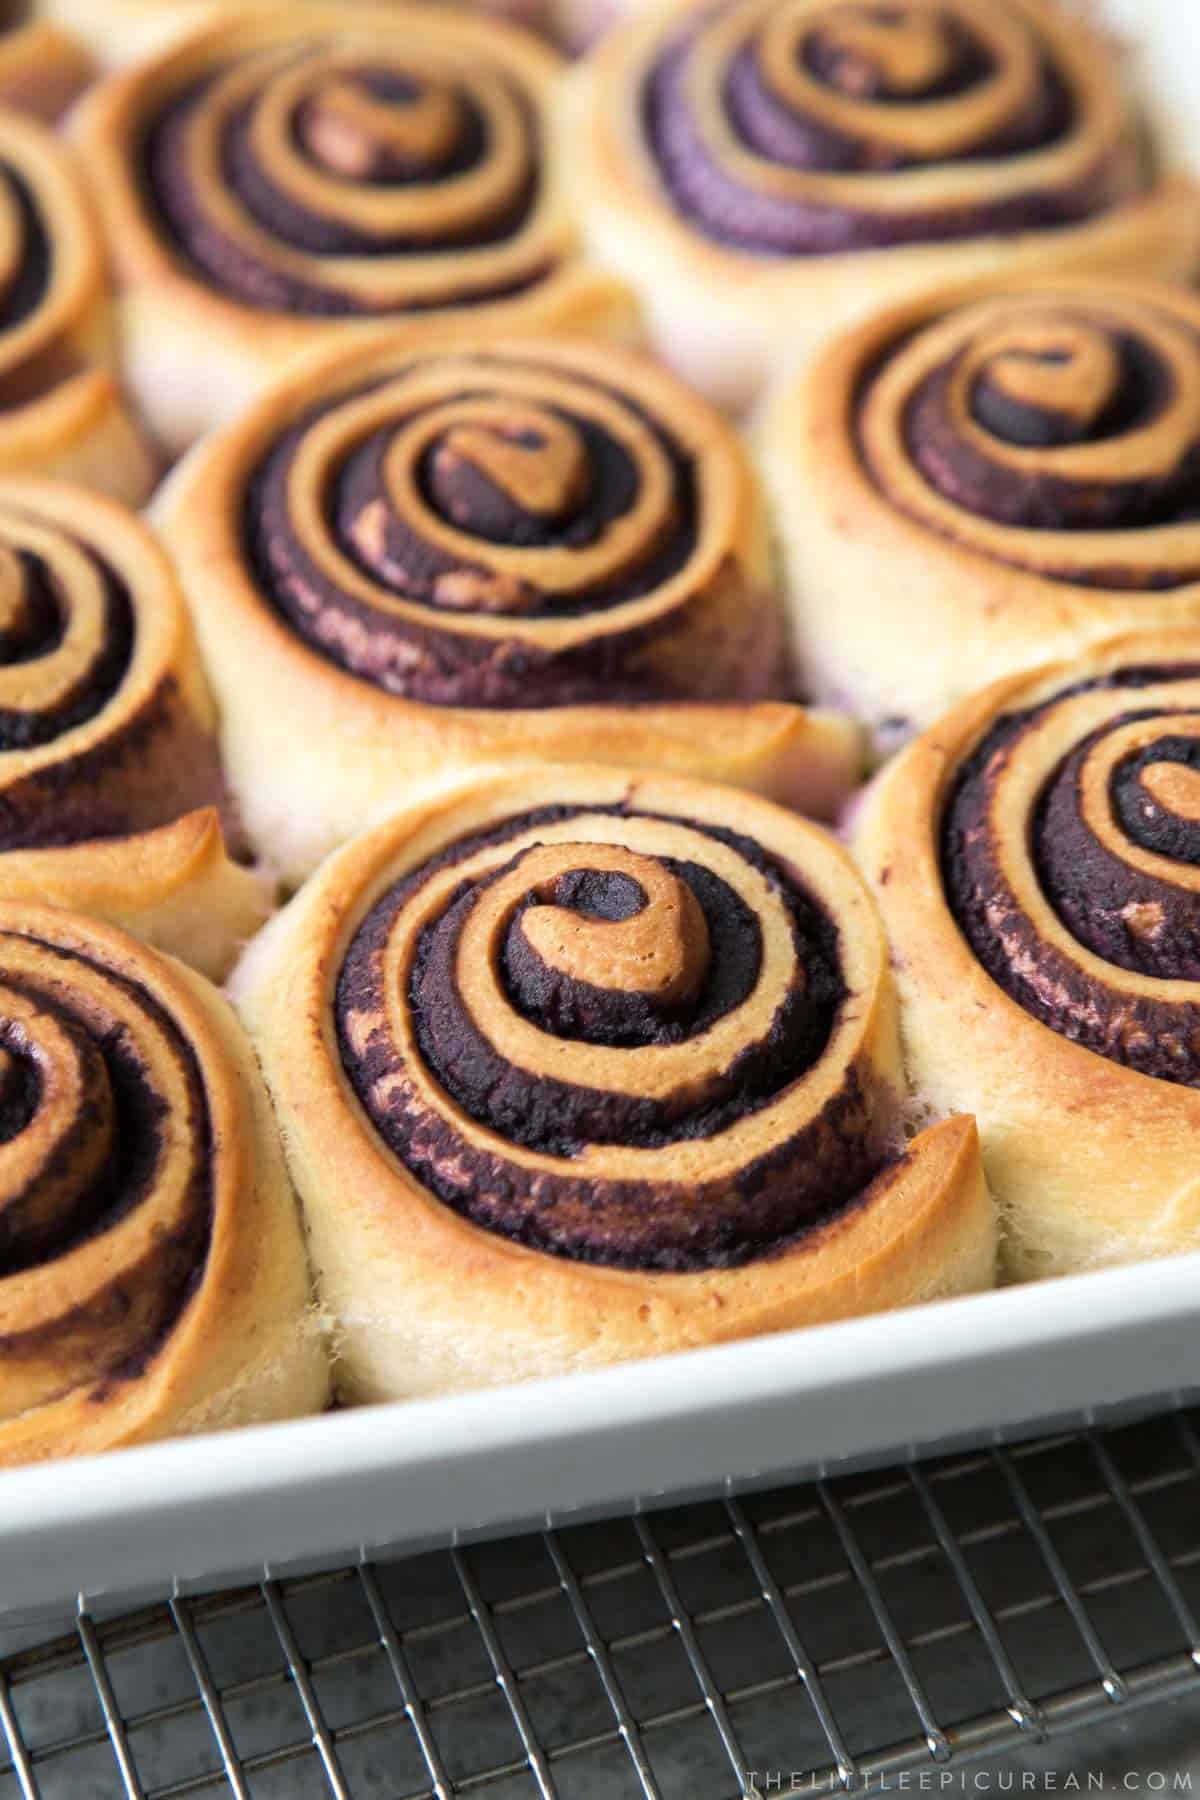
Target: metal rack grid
{"points": [[842, 1631]]}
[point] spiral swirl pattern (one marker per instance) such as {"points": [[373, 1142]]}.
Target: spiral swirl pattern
{"points": [[106, 1161], [622, 1036], [1055, 432], [825, 126], [1091, 921], [105, 726], [355, 164], [583, 1065], [525, 526]]}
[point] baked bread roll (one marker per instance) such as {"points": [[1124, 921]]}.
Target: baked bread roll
{"points": [[62, 410], [765, 171], [152, 1276], [403, 565], [971, 486], [281, 180], [42, 67], [107, 733], [581, 1065], [1035, 856]]}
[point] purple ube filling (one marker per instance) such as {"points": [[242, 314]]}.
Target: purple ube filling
{"points": [[770, 126], [792, 1188]]}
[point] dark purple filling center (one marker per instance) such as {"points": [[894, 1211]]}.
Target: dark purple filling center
{"points": [[575, 1009]]}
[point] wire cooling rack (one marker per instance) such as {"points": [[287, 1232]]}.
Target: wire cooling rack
{"points": [[832, 1634]]}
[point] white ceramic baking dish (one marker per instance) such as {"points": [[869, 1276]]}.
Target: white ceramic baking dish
{"points": [[212, 1509], [432, 1471]]}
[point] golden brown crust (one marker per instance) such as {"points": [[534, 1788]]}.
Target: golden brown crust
{"points": [[350, 677], [175, 887], [937, 480], [154, 1277], [1032, 856], [63, 410], [516, 1270], [42, 68], [107, 732], [202, 266], [916, 208]]}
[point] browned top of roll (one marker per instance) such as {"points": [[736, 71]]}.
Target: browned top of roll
{"points": [[105, 723], [1055, 430], [815, 127], [624, 1036], [341, 161], [509, 524], [828, 126], [109, 1173], [1070, 850]]}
